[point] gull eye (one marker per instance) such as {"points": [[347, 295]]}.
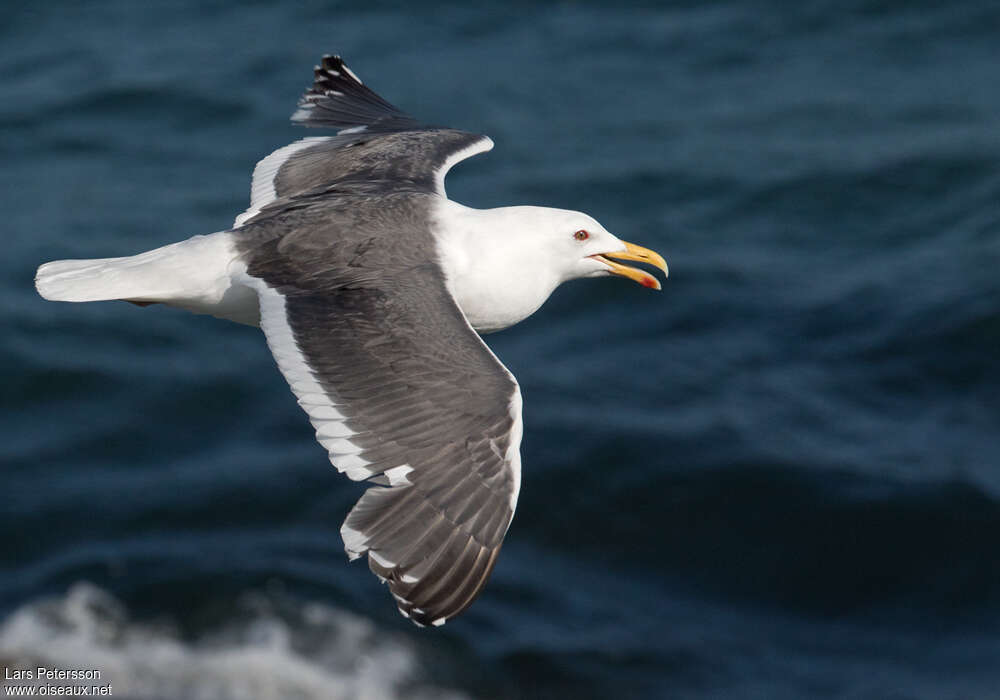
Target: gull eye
{"points": [[581, 235]]}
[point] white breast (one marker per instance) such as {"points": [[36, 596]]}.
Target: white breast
{"points": [[493, 270]]}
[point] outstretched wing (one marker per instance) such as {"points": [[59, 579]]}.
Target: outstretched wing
{"points": [[377, 144], [400, 389]]}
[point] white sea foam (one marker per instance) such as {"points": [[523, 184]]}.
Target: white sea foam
{"points": [[314, 652]]}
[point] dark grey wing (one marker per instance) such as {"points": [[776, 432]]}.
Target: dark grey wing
{"points": [[399, 387], [378, 145]]}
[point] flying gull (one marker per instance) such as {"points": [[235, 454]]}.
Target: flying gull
{"points": [[372, 287]]}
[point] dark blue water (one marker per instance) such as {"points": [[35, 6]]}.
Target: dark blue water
{"points": [[778, 478]]}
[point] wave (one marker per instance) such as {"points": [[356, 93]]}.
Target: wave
{"points": [[265, 648]]}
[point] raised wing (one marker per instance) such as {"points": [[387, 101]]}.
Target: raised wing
{"points": [[377, 144], [339, 100], [400, 389]]}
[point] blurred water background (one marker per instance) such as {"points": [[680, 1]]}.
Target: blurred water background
{"points": [[778, 478]]}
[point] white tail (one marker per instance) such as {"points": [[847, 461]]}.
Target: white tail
{"points": [[192, 274]]}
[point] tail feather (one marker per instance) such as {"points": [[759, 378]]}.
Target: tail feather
{"points": [[95, 280], [192, 275]]}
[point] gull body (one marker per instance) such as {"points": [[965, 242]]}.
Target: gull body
{"points": [[370, 286], [501, 265]]}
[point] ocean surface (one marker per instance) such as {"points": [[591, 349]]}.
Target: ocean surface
{"points": [[777, 478]]}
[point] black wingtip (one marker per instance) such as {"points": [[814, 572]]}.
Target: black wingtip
{"points": [[333, 69], [338, 99]]}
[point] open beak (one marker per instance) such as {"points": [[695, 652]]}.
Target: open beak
{"points": [[639, 254]]}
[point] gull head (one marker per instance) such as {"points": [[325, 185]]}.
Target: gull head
{"points": [[502, 264], [582, 247]]}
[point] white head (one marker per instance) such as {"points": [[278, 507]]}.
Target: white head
{"points": [[503, 263], [576, 245]]}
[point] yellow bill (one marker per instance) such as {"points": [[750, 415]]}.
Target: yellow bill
{"points": [[639, 254]]}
